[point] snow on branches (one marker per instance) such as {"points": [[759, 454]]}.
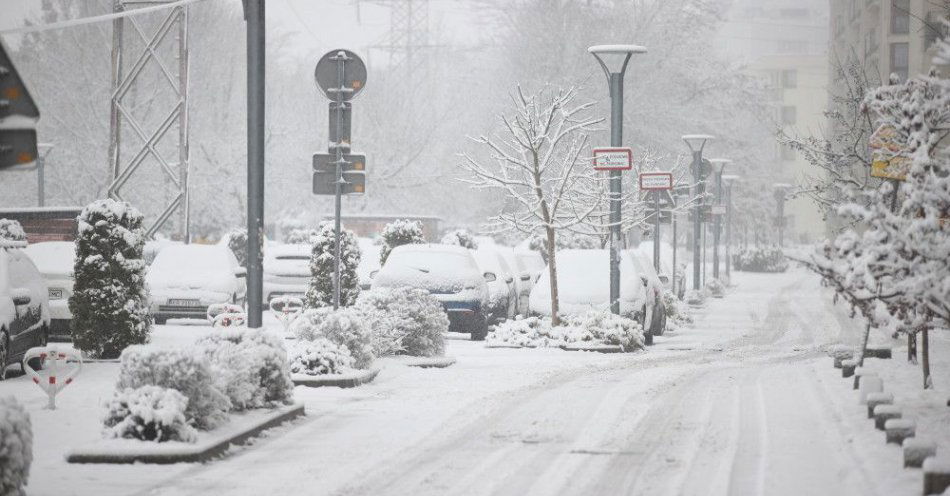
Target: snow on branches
{"points": [[397, 233]]}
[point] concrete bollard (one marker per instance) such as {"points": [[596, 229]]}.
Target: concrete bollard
{"points": [[860, 372], [918, 450], [869, 385], [875, 399], [897, 430], [847, 367], [879, 351], [936, 475], [883, 413], [839, 353]]}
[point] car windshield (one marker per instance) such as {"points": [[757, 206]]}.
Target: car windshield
{"points": [[431, 261], [191, 259]]}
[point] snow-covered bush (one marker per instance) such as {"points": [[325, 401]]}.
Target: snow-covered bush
{"points": [[591, 327], [237, 243], [109, 302], [184, 370], [344, 327], [300, 236], [404, 320], [695, 297], [460, 237], [11, 230], [397, 233], [715, 288], [677, 312], [250, 367], [319, 357], [531, 332], [16, 446], [323, 263], [609, 329], [760, 259], [149, 413]]}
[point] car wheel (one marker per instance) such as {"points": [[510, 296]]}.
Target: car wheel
{"points": [[661, 328], [161, 320], [4, 354]]}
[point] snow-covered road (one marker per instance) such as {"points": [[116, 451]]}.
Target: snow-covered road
{"points": [[740, 403]]}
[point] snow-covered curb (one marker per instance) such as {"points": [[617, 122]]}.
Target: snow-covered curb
{"points": [[599, 348], [345, 380], [425, 362], [241, 428]]}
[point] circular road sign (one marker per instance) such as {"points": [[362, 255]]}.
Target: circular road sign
{"points": [[328, 77]]}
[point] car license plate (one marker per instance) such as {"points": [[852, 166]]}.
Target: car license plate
{"points": [[55, 294], [185, 303]]}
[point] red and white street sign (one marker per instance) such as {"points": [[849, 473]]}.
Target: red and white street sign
{"points": [[656, 181], [606, 159]]}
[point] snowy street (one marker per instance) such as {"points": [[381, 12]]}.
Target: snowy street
{"points": [[743, 402]]}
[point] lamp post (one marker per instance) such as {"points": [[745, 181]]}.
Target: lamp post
{"points": [[696, 144], [718, 165], [729, 181], [780, 190], [613, 60], [254, 17]]}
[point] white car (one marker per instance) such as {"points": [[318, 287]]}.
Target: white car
{"points": [[502, 290], [673, 280], [286, 271], [55, 260], [654, 289], [184, 280], [24, 307], [450, 274], [527, 266], [583, 278]]}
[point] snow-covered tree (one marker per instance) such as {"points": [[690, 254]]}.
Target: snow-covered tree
{"points": [[400, 232], [109, 302], [11, 230], [539, 161], [460, 237], [16, 446], [237, 243], [322, 268]]}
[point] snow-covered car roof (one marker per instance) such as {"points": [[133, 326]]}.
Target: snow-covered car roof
{"points": [[53, 257], [193, 258], [490, 260], [435, 267]]}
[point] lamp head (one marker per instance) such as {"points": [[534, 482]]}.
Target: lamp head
{"points": [[614, 58], [731, 178], [696, 142], [719, 164]]}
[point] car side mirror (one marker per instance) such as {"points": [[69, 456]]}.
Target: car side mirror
{"points": [[509, 279], [525, 276], [490, 277], [240, 272], [21, 296]]}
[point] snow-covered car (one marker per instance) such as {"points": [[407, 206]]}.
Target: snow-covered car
{"points": [[286, 271], [583, 281], [369, 261], [527, 266], [55, 261], [450, 274], [643, 263], [673, 280], [184, 280], [502, 291], [24, 307]]}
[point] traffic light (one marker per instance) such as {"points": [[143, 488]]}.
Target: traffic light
{"points": [[18, 116]]}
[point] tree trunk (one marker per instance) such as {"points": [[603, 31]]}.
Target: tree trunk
{"points": [[864, 343], [552, 274], [925, 361], [912, 347]]}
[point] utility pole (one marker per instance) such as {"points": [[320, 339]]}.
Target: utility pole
{"points": [[254, 17], [696, 144]]}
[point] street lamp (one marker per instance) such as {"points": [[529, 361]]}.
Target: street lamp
{"points": [[613, 60], [696, 144], [780, 190], [729, 180], [718, 165]]}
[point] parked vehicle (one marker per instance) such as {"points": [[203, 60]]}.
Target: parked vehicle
{"points": [[643, 263], [502, 290], [55, 261], [527, 266], [24, 306], [584, 284], [286, 271], [673, 280], [184, 280], [369, 261], [450, 274]]}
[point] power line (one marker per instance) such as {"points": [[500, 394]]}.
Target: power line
{"points": [[94, 19]]}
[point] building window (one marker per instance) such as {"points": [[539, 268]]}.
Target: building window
{"points": [[789, 115], [900, 16], [900, 63], [790, 79]]}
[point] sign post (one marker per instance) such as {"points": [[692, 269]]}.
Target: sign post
{"points": [[656, 182], [340, 75]]}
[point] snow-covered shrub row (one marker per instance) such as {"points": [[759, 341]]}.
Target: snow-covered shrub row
{"points": [[404, 320], [397, 233], [609, 329], [344, 327], [760, 259], [677, 312], [184, 370], [250, 366], [460, 237], [531, 332], [109, 302], [591, 327], [318, 357], [149, 413], [11, 230], [323, 264], [16, 446], [715, 287]]}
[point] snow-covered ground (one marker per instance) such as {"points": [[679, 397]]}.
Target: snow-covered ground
{"points": [[745, 401]]}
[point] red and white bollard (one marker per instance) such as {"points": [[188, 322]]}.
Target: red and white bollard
{"points": [[54, 382], [234, 319], [216, 309], [286, 309]]}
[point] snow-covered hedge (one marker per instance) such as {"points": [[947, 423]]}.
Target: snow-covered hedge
{"points": [[591, 327], [323, 264], [184, 370], [694, 297], [250, 366], [762, 259], [319, 357], [149, 413], [16, 446], [608, 328], [404, 320], [344, 327], [460, 237], [11, 230], [531, 332], [715, 288], [397, 233]]}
